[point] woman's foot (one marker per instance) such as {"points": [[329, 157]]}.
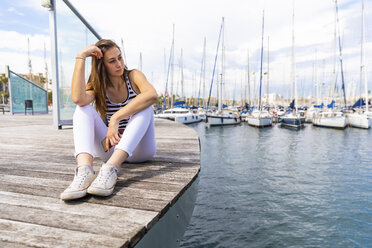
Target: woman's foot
{"points": [[105, 182], [84, 176]]}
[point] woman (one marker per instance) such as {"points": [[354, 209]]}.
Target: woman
{"points": [[119, 129]]}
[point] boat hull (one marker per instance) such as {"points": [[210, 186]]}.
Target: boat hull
{"points": [[215, 120], [331, 122], [260, 121], [359, 120], [187, 119], [294, 122]]}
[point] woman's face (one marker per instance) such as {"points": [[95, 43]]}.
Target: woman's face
{"points": [[113, 62]]}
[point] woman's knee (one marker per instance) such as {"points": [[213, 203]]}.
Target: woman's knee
{"points": [[83, 110], [147, 112]]}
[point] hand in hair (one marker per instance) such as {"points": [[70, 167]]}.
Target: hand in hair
{"points": [[91, 51]]}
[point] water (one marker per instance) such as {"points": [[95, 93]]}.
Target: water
{"points": [[276, 187]]}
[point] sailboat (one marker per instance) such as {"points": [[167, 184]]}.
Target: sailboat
{"points": [[259, 117], [361, 119], [293, 119], [182, 115], [179, 114], [221, 117], [333, 118]]}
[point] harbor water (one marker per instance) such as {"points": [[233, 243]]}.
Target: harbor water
{"points": [[276, 187]]}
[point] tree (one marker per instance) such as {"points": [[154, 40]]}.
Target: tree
{"points": [[3, 81]]}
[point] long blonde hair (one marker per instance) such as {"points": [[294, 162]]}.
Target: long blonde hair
{"points": [[98, 79]]}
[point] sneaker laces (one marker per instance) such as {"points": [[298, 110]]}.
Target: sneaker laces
{"points": [[78, 179], [104, 176]]}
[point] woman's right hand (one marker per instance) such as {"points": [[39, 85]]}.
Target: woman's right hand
{"points": [[91, 51]]}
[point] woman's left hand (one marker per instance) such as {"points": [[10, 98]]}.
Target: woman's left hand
{"points": [[112, 135]]}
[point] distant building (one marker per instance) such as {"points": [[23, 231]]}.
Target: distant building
{"points": [[272, 98], [37, 79]]}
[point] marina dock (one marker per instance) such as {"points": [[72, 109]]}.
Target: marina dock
{"points": [[37, 164]]}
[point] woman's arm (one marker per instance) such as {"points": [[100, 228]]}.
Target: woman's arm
{"points": [[79, 94], [143, 100]]}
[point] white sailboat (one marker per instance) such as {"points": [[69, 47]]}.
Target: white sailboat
{"points": [[260, 117], [182, 115], [333, 118], [221, 117], [361, 118], [293, 119]]}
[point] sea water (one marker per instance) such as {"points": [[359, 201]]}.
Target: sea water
{"points": [[277, 187]]}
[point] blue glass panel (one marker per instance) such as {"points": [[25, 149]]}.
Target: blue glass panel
{"points": [[72, 36], [21, 89]]}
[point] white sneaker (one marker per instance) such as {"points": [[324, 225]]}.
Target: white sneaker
{"points": [[105, 182], [84, 176]]}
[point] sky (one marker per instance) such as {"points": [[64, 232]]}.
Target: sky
{"points": [[146, 28]]}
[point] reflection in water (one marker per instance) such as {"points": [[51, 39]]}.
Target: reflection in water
{"points": [[276, 187]]}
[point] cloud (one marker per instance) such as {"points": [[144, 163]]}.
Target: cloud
{"points": [[18, 41], [11, 9]]}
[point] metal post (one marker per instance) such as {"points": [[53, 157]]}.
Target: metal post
{"points": [[54, 65]]}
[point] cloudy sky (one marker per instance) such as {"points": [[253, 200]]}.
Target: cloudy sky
{"points": [[146, 28]]}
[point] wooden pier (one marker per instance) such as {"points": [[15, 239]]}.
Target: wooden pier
{"points": [[37, 164]]}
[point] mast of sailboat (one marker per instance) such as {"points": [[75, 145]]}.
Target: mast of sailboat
{"points": [[140, 62], [214, 66], [316, 78], [340, 50], [172, 70], [204, 59], [46, 70], [268, 69], [169, 67], [29, 60], [249, 82], [262, 40], [363, 75], [125, 58], [293, 60], [182, 78], [222, 67], [202, 75]]}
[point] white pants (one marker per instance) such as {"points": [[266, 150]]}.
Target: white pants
{"points": [[138, 139]]}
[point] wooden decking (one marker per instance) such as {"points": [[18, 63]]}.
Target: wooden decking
{"points": [[37, 164]]}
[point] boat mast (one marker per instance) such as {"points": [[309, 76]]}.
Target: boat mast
{"points": [[262, 40], [268, 70], [249, 82], [294, 83], [140, 62], [363, 75], [204, 58], [169, 67], [46, 70], [125, 58], [340, 50], [316, 78], [202, 75], [222, 67], [172, 70], [214, 66]]}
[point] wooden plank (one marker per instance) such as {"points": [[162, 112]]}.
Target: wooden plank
{"points": [[67, 221], [46, 236], [120, 214], [120, 197], [8, 244], [184, 172]]}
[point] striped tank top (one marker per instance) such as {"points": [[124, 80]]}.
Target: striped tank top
{"points": [[113, 107]]}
